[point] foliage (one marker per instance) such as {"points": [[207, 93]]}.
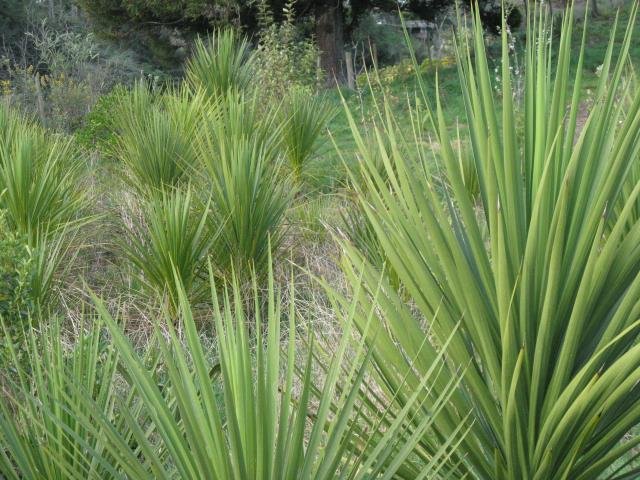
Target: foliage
{"points": [[15, 276], [165, 139], [57, 69], [358, 230], [240, 152], [543, 279], [98, 126], [44, 433], [117, 11], [39, 175], [42, 200], [380, 31], [220, 64], [305, 119], [17, 16], [633, 177], [492, 326], [154, 136], [15, 261], [172, 244], [261, 427], [285, 60]]}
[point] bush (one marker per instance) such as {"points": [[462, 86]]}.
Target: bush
{"points": [[383, 33], [15, 296], [220, 64], [305, 118], [43, 423], [285, 60], [99, 126], [154, 136], [39, 175], [42, 199], [240, 151], [539, 274], [172, 243], [250, 413], [15, 268]]}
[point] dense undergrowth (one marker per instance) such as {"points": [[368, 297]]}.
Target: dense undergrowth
{"points": [[184, 295]]}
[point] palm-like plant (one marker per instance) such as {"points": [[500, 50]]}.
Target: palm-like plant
{"points": [[42, 416], [545, 280], [254, 413], [155, 136], [305, 118], [245, 416], [41, 196], [39, 176], [10, 123], [239, 151], [173, 241], [220, 64]]}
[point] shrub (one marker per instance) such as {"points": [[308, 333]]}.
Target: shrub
{"points": [[44, 431], [15, 261], [15, 296], [380, 32], [57, 70], [305, 119], [543, 279], [99, 125], [10, 123], [229, 147], [173, 242], [39, 175], [250, 413], [238, 417], [42, 200], [221, 63], [154, 137], [285, 60], [240, 153]]}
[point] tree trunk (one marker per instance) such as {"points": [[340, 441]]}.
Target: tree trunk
{"points": [[351, 76], [330, 37]]}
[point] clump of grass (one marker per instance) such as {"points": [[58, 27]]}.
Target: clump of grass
{"points": [[221, 63], [154, 137], [305, 119], [173, 242]]}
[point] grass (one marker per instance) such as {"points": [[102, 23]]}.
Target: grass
{"points": [[400, 88], [468, 295]]}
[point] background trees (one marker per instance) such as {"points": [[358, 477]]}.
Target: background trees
{"points": [[171, 24]]}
